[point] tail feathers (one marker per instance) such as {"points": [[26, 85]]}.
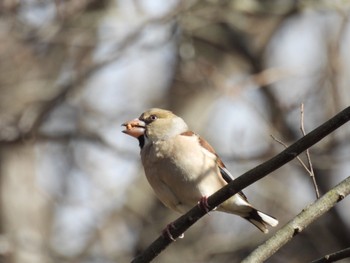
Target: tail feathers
{"points": [[261, 220]]}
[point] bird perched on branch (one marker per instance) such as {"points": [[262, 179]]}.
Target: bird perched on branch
{"points": [[183, 169]]}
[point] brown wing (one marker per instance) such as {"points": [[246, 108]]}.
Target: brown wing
{"points": [[206, 146], [225, 174]]}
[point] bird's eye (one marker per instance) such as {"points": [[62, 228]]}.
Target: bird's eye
{"points": [[153, 117]]}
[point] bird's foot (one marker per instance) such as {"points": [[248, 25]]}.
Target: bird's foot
{"points": [[203, 204], [166, 232]]}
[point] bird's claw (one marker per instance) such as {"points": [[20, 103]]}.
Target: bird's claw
{"points": [[203, 204], [166, 232]]}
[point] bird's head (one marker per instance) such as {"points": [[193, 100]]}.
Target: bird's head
{"points": [[155, 124]]}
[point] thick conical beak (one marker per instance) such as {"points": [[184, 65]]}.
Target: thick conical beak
{"points": [[134, 128]]}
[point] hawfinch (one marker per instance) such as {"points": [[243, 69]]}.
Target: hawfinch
{"points": [[183, 168]]}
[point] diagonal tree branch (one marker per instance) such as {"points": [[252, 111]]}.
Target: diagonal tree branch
{"points": [[300, 222], [253, 175], [345, 253]]}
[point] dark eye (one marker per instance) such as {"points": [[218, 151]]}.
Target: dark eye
{"points": [[153, 117]]}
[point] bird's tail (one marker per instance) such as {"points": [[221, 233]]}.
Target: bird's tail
{"points": [[261, 220]]}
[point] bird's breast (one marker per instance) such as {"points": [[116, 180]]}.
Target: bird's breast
{"points": [[183, 168]]}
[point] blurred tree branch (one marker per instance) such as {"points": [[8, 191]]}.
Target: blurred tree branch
{"points": [[76, 80], [83, 66], [255, 174], [300, 222]]}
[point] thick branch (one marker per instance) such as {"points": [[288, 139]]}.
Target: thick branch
{"points": [[300, 222], [188, 219]]}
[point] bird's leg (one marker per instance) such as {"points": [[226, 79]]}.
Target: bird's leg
{"points": [[166, 232], [203, 204]]}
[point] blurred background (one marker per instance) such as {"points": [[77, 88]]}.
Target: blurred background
{"points": [[71, 72]]}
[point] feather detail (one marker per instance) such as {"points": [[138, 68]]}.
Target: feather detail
{"points": [[261, 220], [224, 173], [206, 146], [227, 176]]}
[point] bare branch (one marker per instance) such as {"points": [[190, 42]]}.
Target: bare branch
{"points": [[187, 220], [286, 146], [345, 253], [311, 169], [300, 222]]}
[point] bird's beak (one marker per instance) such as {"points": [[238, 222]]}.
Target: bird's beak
{"points": [[134, 128]]}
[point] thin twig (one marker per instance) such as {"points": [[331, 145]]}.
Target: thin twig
{"points": [[345, 253], [311, 169], [286, 146]]}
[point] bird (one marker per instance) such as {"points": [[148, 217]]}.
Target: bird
{"points": [[183, 169]]}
